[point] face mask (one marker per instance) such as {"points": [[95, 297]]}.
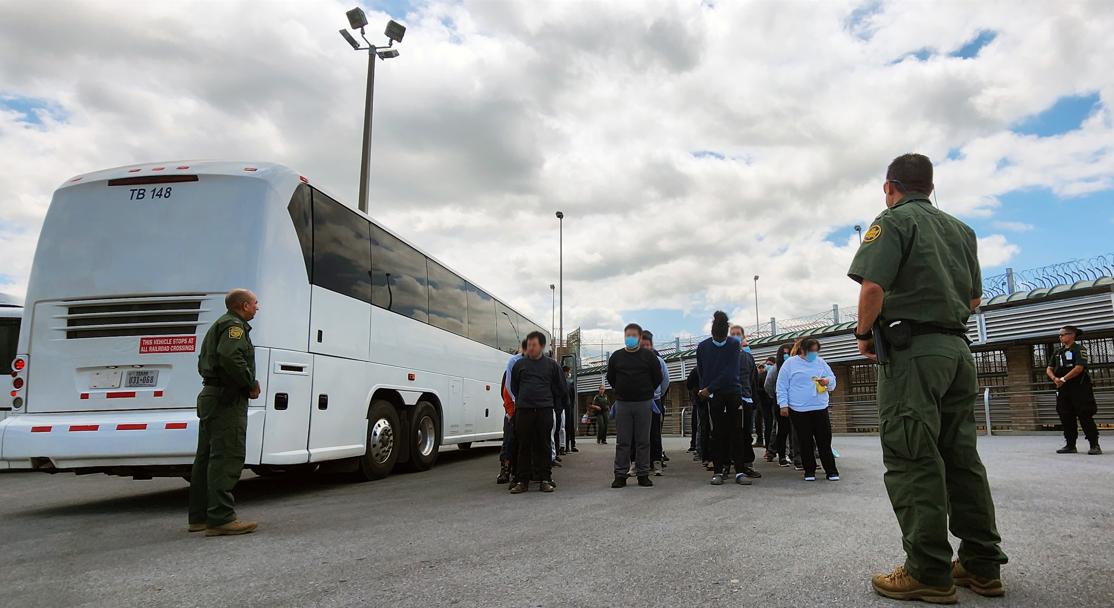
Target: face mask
{"points": [[746, 349], [718, 343], [785, 357], [812, 356], [631, 341]]}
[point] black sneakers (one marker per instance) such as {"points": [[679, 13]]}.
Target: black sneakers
{"points": [[620, 481], [1095, 449], [750, 472], [1067, 449], [783, 462], [645, 482]]}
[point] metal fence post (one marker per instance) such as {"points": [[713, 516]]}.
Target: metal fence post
{"points": [[986, 405]]}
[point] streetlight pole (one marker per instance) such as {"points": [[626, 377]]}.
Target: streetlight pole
{"points": [[561, 275], [859, 230], [394, 32], [552, 309], [756, 323]]}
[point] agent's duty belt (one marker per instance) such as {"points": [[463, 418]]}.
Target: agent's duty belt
{"points": [[213, 382], [918, 329]]}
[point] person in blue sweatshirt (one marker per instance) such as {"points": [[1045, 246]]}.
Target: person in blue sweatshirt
{"points": [[717, 365], [803, 385]]}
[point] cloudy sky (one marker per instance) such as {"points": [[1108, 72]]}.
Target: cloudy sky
{"points": [[691, 145]]}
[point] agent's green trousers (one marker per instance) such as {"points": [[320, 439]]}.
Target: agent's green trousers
{"points": [[221, 434], [934, 476]]}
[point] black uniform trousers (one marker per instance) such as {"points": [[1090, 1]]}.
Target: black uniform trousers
{"points": [[1077, 401], [728, 442], [533, 428]]}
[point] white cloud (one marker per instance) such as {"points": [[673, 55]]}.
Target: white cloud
{"points": [[1013, 226], [498, 114], [995, 250]]}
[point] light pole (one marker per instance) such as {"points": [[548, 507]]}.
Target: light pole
{"points": [[859, 230], [561, 275], [756, 323], [552, 309], [394, 33]]}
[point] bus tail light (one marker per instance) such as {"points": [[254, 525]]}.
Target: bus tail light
{"points": [[17, 383], [19, 364]]}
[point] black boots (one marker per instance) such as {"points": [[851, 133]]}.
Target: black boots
{"points": [[1067, 449]]}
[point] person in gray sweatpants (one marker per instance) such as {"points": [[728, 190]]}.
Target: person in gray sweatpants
{"points": [[632, 420], [634, 373]]}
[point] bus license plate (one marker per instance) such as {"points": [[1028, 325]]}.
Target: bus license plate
{"points": [[142, 378]]}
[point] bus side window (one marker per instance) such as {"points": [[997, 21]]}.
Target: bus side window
{"points": [[341, 249], [448, 299], [399, 281], [481, 317]]}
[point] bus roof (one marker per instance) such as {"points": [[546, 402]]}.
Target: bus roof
{"points": [[266, 171]]}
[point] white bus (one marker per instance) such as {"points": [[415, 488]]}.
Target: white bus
{"points": [[369, 353]]}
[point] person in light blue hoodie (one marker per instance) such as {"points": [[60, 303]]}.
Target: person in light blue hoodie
{"points": [[803, 385]]}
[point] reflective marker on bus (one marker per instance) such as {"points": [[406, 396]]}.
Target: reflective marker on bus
{"points": [[370, 354]]}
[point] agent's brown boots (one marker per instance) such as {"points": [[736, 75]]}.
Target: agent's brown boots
{"points": [[990, 587], [232, 528], [900, 585]]}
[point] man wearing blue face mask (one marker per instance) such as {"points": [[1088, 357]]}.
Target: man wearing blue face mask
{"points": [[634, 373]]}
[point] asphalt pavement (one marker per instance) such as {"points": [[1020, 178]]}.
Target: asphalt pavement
{"points": [[452, 537]]}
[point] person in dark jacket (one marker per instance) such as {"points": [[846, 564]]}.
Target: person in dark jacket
{"points": [[700, 422], [538, 384], [717, 364], [748, 377], [634, 373], [766, 409], [1067, 368]]}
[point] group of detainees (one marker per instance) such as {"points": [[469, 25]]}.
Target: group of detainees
{"points": [[785, 397]]}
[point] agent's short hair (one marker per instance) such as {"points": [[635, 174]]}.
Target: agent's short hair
{"points": [[634, 326], [912, 172], [536, 335], [1073, 330], [236, 299]]}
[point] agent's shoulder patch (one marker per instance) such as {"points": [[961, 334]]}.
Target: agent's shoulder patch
{"points": [[872, 233], [235, 332]]}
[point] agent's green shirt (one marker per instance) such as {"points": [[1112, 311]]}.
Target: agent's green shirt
{"points": [[925, 260], [1065, 359], [601, 401], [227, 352]]}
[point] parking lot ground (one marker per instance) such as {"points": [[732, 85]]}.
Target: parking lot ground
{"points": [[451, 536]]}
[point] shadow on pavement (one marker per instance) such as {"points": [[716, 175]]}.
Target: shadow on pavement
{"points": [[251, 489]]}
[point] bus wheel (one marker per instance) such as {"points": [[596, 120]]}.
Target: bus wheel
{"points": [[382, 447], [467, 445], [425, 437]]}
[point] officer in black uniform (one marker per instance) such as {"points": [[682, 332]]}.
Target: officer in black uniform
{"points": [[1075, 398]]}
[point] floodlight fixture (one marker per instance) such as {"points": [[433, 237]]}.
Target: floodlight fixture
{"points": [[356, 18], [395, 30], [387, 53], [350, 39]]}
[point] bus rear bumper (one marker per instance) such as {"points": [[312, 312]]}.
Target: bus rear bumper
{"points": [[95, 440]]}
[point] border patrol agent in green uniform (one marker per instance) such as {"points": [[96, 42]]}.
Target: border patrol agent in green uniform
{"points": [[227, 366], [1075, 398], [920, 278]]}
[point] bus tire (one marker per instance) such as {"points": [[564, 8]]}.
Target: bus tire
{"points": [[467, 445], [425, 437], [381, 451]]}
